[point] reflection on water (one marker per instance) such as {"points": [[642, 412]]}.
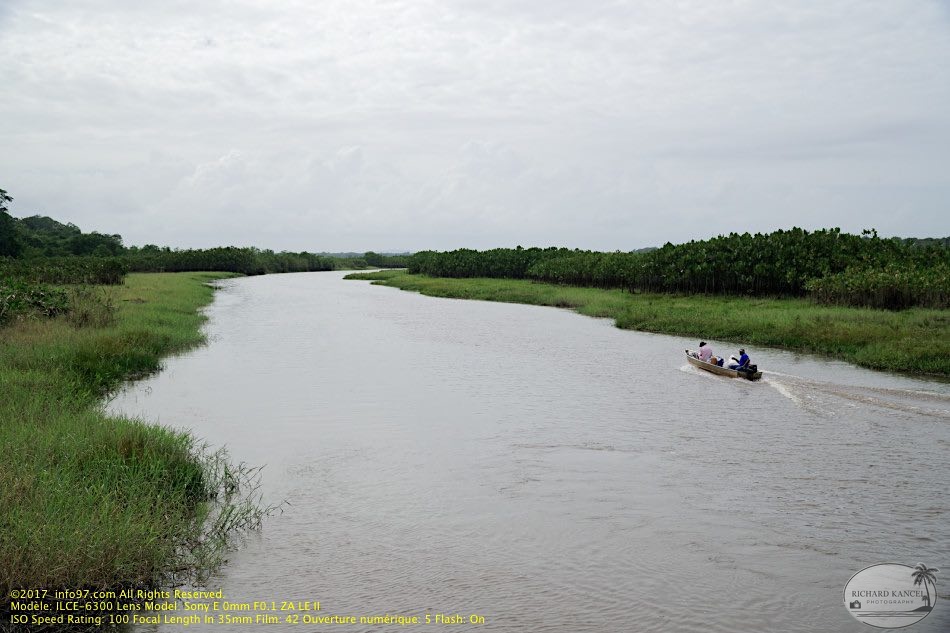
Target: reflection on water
{"points": [[547, 470]]}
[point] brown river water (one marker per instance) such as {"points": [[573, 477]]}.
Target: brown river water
{"points": [[547, 471]]}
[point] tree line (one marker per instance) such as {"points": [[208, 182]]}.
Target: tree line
{"points": [[828, 265], [38, 254], [38, 237]]}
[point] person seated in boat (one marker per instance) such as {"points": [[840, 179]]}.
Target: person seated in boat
{"points": [[741, 363], [705, 352]]}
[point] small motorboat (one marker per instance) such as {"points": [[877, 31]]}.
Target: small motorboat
{"points": [[752, 374]]}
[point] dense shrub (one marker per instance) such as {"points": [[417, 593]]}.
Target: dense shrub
{"points": [[247, 261], [66, 270], [782, 263], [506, 263], [893, 287], [377, 260], [21, 298]]}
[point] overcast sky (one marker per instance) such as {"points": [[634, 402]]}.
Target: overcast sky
{"points": [[411, 124]]}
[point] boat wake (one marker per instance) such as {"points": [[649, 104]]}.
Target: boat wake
{"points": [[825, 397], [783, 390]]}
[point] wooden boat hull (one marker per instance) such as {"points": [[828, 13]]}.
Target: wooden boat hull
{"points": [[721, 371]]}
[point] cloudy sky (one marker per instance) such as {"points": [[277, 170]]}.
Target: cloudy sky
{"points": [[410, 124]]}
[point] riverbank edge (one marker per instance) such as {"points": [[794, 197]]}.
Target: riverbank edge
{"points": [[915, 341], [89, 500]]}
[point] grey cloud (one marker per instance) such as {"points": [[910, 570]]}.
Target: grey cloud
{"points": [[410, 124]]}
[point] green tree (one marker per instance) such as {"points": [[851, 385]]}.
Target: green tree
{"points": [[9, 245]]}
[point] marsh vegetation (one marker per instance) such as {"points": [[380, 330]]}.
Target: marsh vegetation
{"points": [[828, 265], [93, 501]]}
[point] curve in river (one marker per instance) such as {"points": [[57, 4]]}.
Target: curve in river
{"points": [[548, 471]]}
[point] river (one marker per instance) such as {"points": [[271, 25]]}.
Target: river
{"points": [[547, 471]]}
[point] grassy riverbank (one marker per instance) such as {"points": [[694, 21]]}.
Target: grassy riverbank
{"points": [[88, 500], [914, 341]]}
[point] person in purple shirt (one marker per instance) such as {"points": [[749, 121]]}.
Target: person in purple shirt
{"points": [[705, 352]]}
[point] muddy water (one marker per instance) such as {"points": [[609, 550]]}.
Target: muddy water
{"points": [[547, 471]]}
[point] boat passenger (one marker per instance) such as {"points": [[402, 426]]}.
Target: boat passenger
{"points": [[741, 363], [743, 358], [705, 352]]}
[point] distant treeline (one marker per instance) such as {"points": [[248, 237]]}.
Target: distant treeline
{"points": [[831, 266], [32, 287], [247, 261], [38, 253], [828, 265], [47, 244]]}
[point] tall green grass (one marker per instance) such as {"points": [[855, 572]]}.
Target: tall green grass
{"points": [[913, 341], [93, 501]]}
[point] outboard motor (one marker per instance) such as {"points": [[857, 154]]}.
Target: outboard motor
{"points": [[750, 371]]}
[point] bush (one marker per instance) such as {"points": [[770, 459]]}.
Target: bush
{"points": [[20, 298], [66, 270], [893, 287], [90, 307]]}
